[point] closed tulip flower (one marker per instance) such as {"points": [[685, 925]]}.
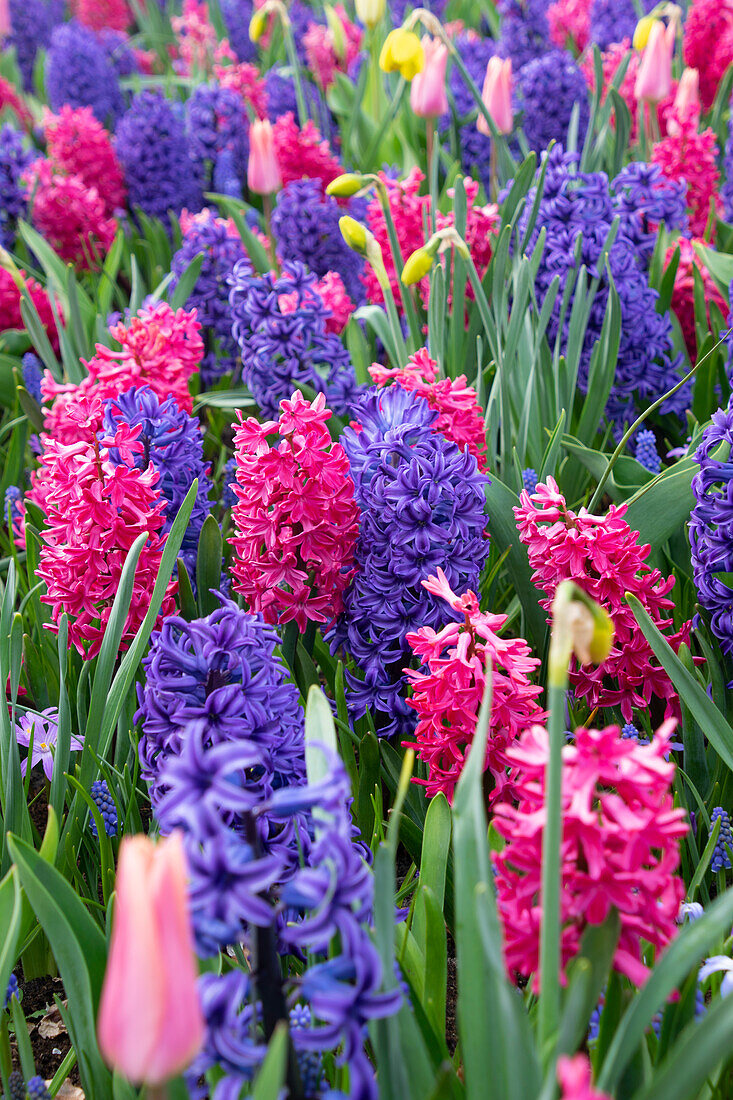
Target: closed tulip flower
{"points": [[150, 1024], [497, 96], [654, 78], [402, 52], [263, 170], [428, 97]]}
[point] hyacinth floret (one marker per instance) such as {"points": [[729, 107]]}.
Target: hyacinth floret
{"points": [[448, 689], [620, 847], [152, 147], [721, 858], [221, 247], [602, 555], [105, 803], [296, 521], [711, 526], [14, 160], [95, 511], [282, 348], [422, 502], [79, 74], [305, 224], [173, 444], [459, 419]]}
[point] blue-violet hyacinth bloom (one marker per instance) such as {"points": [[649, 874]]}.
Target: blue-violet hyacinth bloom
{"points": [[79, 73], [548, 89], [31, 26], [216, 121], [14, 159]]}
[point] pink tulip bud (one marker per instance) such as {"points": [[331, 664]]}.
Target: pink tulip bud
{"points": [[263, 171], [150, 1025], [497, 96], [687, 99], [428, 98], [654, 78]]}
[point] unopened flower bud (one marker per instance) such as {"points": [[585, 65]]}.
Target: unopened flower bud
{"points": [[370, 12], [402, 52], [346, 185]]}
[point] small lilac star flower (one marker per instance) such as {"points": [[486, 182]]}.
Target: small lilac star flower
{"points": [[46, 730]]}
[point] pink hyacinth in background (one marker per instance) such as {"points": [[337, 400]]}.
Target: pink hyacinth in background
{"points": [[70, 216], [78, 145], [602, 555], [575, 1079], [94, 512], [620, 847], [459, 414], [683, 295], [448, 696], [296, 521]]}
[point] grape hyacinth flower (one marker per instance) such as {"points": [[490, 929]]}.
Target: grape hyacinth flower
{"points": [[79, 74], [530, 480], [602, 555], [152, 148], [295, 519], [16, 1086], [14, 160], [105, 803], [646, 453], [721, 856], [37, 1089], [43, 728], [448, 690], [171, 441], [280, 347], [12, 990], [422, 502], [32, 370], [620, 847]]}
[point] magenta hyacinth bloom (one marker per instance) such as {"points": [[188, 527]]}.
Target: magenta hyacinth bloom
{"points": [[45, 733]]}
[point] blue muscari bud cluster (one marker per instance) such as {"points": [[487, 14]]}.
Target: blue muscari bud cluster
{"points": [[12, 511], [281, 100], [105, 803], [173, 443], [11, 991], [305, 224], [237, 15], [475, 152], [577, 210], [721, 858], [217, 123], [711, 527], [613, 20], [16, 1086], [32, 371], [152, 147], [529, 480], [629, 732], [14, 159], [36, 1089], [644, 199], [525, 32], [310, 1062], [32, 23], [79, 73], [547, 89], [208, 236], [422, 504], [280, 349], [646, 453]]}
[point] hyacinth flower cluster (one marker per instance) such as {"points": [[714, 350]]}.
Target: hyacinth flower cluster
{"points": [[422, 505], [448, 694], [70, 216], [683, 294], [707, 44], [580, 207], [217, 126], [302, 152], [691, 156], [218, 241], [280, 325], [79, 73], [31, 25], [172, 443], [305, 224], [459, 419], [159, 347], [711, 527], [602, 555], [475, 146], [95, 510], [10, 298], [550, 88], [14, 160], [620, 847], [78, 145], [295, 519]]}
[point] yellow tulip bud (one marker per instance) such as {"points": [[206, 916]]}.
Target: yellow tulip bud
{"points": [[402, 52], [354, 233], [257, 25], [370, 12], [417, 266], [343, 187], [643, 30]]}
